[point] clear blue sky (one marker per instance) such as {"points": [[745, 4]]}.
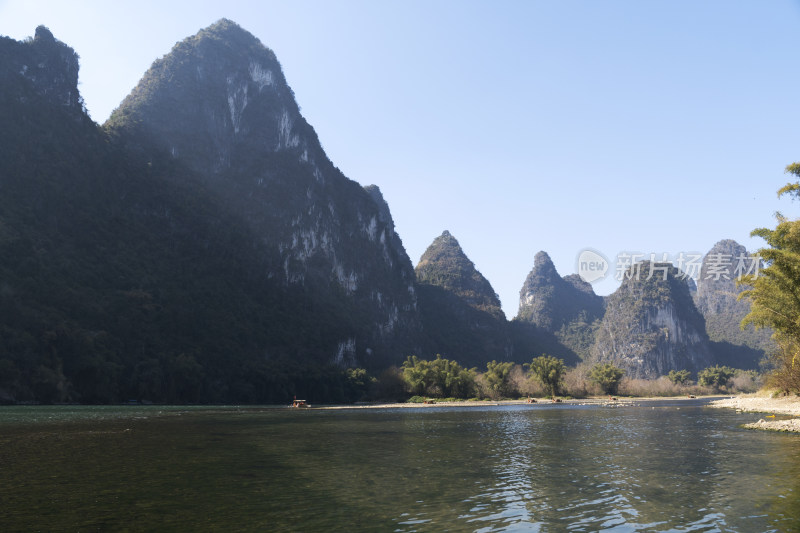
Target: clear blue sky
{"points": [[519, 126]]}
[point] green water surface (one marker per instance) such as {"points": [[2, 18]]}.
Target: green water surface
{"points": [[667, 466]]}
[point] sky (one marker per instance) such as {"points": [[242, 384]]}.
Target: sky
{"points": [[619, 126]]}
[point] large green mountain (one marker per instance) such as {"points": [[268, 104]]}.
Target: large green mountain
{"points": [[461, 313], [651, 325], [219, 104], [444, 264], [199, 247]]}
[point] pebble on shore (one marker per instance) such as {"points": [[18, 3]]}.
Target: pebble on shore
{"points": [[786, 405], [792, 425]]}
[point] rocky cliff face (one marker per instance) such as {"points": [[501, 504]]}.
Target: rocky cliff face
{"points": [[50, 66], [717, 299], [716, 287], [219, 104], [118, 279], [198, 248], [651, 326], [566, 307], [461, 313]]}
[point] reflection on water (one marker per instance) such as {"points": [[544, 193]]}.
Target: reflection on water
{"points": [[671, 466]]}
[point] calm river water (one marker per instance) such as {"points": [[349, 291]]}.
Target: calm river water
{"points": [[666, 466]]}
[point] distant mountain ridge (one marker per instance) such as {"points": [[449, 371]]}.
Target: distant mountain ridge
{"points": [[648, 326]]}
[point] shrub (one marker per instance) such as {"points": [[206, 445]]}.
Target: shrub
{"points": [[523, 385], [785, 368], [661, 387], [577, 383], [746, 381]]}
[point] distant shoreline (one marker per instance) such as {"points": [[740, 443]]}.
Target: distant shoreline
{"points": [[755, 403], [601, 400]]}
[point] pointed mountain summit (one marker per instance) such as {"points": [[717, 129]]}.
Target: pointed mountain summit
{"points": [[218, 99], [220, 105], [550, 301], [717, 299], [445, 265], [461, 313], [716, 288], [566, 307]]}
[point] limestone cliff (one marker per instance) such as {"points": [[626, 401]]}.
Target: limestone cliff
{"points": [[651, 325], [50, 66], [219, 104], [717, 299]]}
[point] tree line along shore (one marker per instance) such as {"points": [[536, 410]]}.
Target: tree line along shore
{"points": [[441, 379]]}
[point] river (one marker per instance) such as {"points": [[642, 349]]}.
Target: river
{"points": [[659, 466]]}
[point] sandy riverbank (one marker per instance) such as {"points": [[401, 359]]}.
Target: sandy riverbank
{"points": [[603, 401], [762, 403]]}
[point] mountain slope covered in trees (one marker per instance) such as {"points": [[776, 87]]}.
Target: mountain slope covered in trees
{"points": [[130, 271], [219, 104], [460, 311], [566, 307]]}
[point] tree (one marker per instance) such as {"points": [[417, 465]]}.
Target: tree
{"points": [[715, 376], [774, 291], [497, 378], [549, 371], [441, 377], [607, 376], [679, 377]]}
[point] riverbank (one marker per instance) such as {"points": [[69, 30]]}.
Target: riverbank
{"points": [[762, 403], [604, 401]]}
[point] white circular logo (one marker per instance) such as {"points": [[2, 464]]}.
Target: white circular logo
{"points": [[591, 265]]}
